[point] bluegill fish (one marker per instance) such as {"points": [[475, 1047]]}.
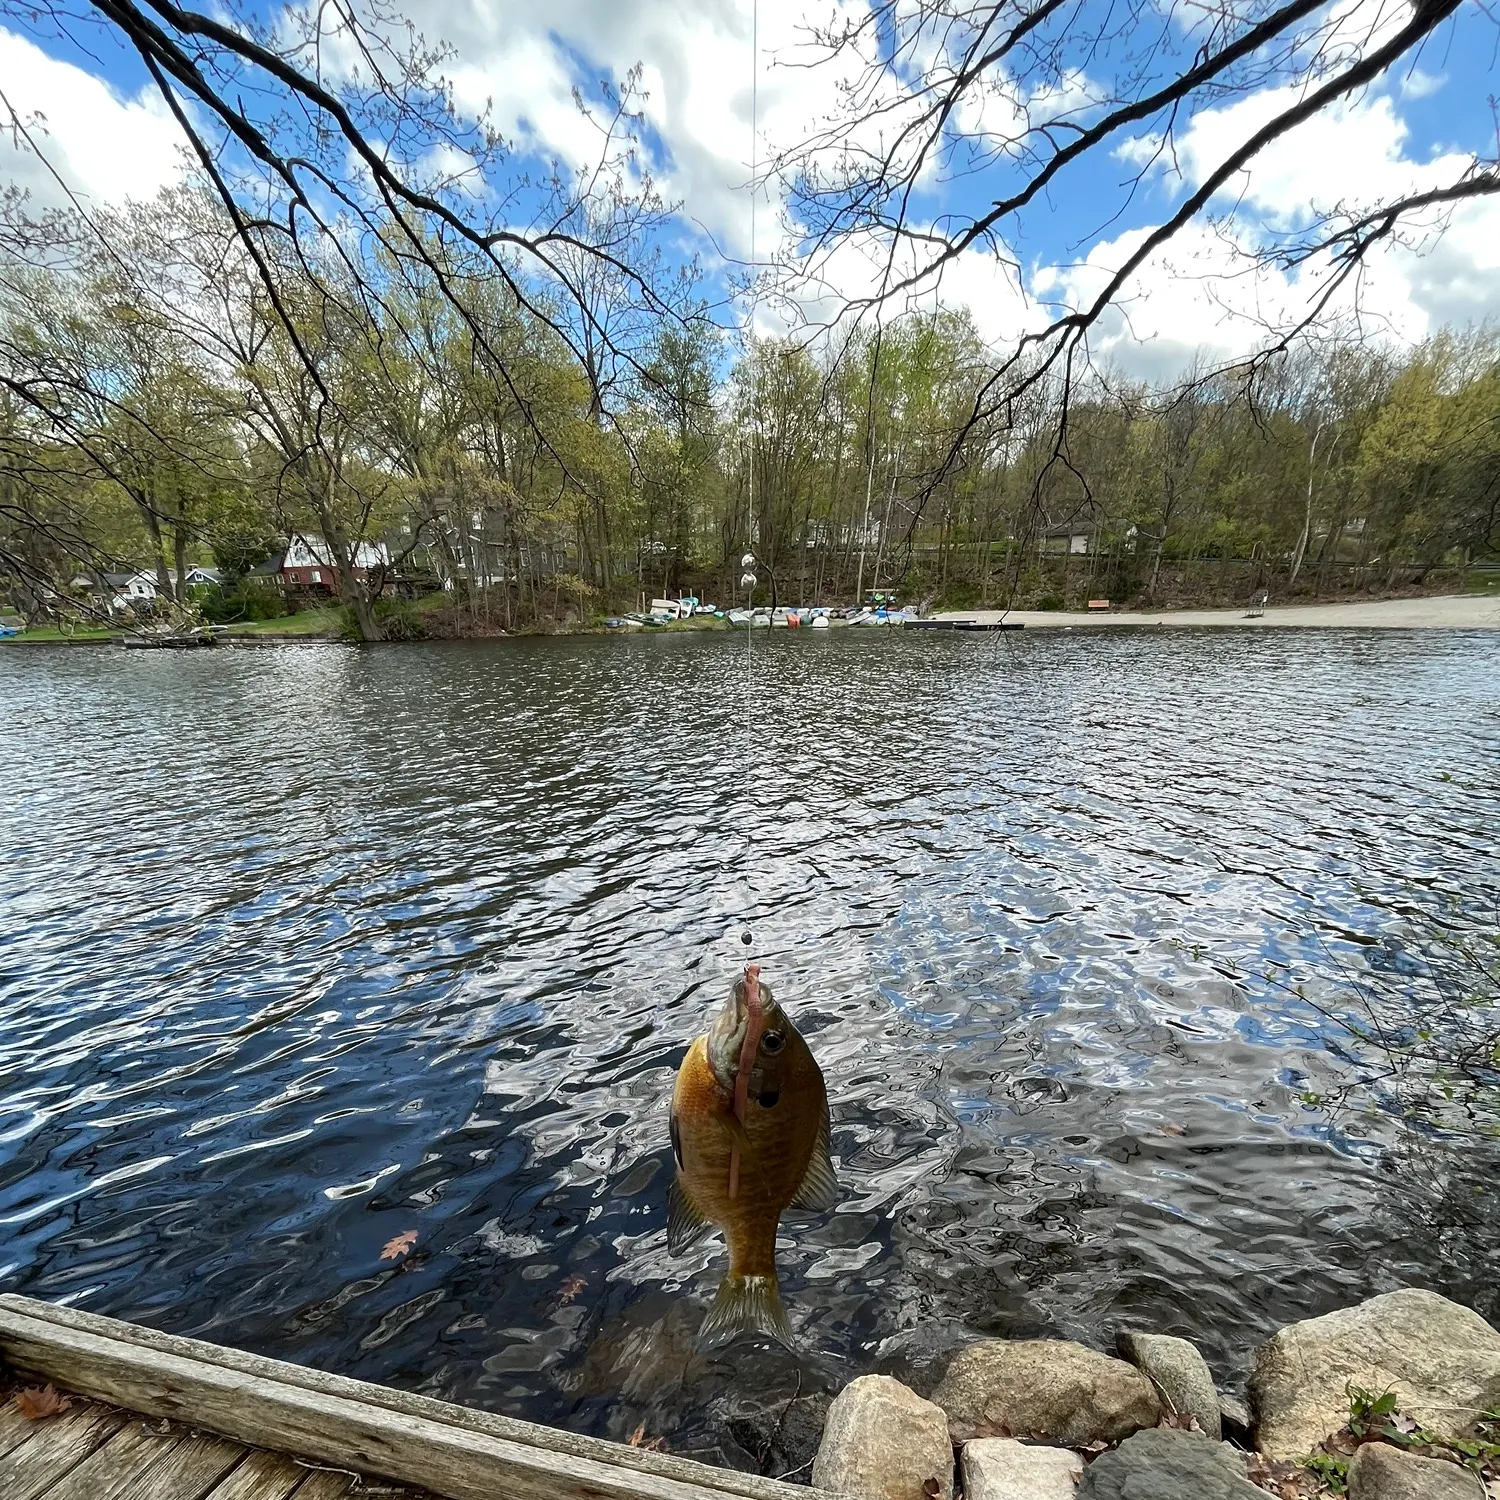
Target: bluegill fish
{"points": [[750, 1134]]}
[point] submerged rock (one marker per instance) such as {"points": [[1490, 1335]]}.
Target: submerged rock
{"points": [[1169, 1464], [1045, 1388], [1004, 1469], [884, 1442], [777, 1436], [1441, 1360], [1380, 1472], [1234, 1419], [1179, 1372]]}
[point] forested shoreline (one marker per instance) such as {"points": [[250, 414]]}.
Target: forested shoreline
{"points": [[178, 392]]}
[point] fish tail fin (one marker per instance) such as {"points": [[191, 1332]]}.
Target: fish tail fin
{"points": [[745, 1304]]}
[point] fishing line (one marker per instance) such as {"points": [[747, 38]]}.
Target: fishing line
{"points": [[747, 562]]}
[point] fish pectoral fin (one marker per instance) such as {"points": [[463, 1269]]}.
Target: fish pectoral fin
{"points": [[745, 1304], [685, 1225], [820, 1187]]}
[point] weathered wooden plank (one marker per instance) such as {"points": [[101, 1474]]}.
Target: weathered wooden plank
{"points": [[452, 1460], [53, 1450], [14, 1428], [114, 1468], [727, 1482], [261, 1476], [327, 1484], [335, 1484], [189, 1471]]}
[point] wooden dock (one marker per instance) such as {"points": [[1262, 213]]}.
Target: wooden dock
{"points": [[155, 1417], [952, 624]]}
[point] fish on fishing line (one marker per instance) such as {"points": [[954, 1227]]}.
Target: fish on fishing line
{"points": [[750, 1136]]}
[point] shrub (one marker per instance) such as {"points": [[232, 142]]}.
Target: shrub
{"points": [[246, 602], [398, 620]]}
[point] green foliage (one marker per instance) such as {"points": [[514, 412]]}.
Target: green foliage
{"points": [[488, 455], [1332, 1469], [1377, 1418], [238, 605], [398, 620]]}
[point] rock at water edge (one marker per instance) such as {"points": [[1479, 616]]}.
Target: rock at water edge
{"points": [[1179, 1372], [1004, 1469], [1169, 1464], [1044, 1388], [1380, 1472], [884, 1442], [1234, 1419], [1441, 1360]]}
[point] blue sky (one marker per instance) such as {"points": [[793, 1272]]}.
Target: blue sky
{"points": [[110, 137]]}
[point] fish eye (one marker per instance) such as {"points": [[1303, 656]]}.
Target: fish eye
{"points": [[772, 1043]]}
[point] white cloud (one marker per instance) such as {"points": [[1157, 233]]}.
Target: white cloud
{"points": [[1354, 152], [105, 147], [1416, 83]]}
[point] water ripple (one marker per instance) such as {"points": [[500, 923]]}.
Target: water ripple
{"points": [[306, 947]]}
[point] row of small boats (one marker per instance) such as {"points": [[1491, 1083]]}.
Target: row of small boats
{"points": [[782, 617]]}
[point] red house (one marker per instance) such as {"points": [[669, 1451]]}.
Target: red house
{"points": [[307, 567]]}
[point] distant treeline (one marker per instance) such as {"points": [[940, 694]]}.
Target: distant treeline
{"points": [[171, 397]]}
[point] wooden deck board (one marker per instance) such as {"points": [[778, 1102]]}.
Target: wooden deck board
{"points": [[14, 1428], [192, 1468], [54, 1448], [114, 1467], [335, 1484], [262, 1476], [326, 1484]]}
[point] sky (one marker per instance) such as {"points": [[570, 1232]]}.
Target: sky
{"points": [[110, 137]]}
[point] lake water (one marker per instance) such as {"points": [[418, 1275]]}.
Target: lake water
{"points": [[303, 948]]}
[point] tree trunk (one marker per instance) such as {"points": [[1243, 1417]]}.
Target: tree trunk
{"points": [[1300, 551]]}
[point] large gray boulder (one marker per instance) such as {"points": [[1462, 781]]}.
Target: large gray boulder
{"points": [[1380, 1472], [1179, 1372], [1441, 1360], [1003, 1469], [884, 1442], [1169, 1464], [1044, 1388]]}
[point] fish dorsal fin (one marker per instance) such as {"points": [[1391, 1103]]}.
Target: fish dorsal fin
{"points": [[820, 1188], [685, 1225]]}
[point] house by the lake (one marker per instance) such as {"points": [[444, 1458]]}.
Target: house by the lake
{"points": [[307, 565]]}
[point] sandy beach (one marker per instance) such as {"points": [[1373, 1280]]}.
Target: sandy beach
{"points": [[1447, 612]]}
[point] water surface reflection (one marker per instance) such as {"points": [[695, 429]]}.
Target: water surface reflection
{"points": [[306, 947]]}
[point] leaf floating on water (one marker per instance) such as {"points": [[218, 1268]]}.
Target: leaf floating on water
{"points": [[638, 1439], [1170, 1129], [396, 1248], [570, 1289], [41, 1401]]}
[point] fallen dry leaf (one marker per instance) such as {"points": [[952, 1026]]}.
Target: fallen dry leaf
{"points": [[41, 1401], [638, 1439], [397, 1247], [570, 1289]]}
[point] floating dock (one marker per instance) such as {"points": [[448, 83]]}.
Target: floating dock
{"points": [[962, 625], [152, 1416]]}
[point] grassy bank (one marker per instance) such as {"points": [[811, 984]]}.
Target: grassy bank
{"points": [[310, 622], [51, 635]]}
